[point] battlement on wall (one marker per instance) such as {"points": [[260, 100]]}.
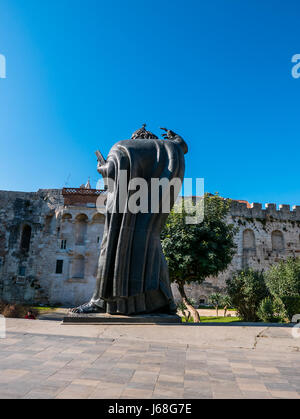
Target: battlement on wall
{"points": [[7, 197], [256, 210], [55, 197], [16, 194], [30, 195]]}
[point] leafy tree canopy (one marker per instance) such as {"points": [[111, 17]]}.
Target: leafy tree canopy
{"points": [[197, 251]]}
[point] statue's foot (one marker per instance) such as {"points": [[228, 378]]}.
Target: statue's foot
{"points": [[87, 309]]}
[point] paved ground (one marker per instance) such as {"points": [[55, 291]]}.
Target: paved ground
{"points": [[44, 359]]}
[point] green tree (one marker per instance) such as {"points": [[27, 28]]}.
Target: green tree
{"points": [[247, 289], [197, 251], [226, 303], [216, 300]]}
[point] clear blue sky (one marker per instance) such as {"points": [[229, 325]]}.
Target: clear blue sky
{"points": [[83, 74]]}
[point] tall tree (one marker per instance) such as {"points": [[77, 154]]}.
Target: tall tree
{"points": [[196, 251]]}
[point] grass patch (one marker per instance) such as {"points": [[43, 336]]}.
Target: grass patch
{"points": [[45, 308], [203, 307], [205, 319]]}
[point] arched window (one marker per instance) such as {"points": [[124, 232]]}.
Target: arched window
{"points": [[66, 216], [48, 223], [249, 246], [277, 241], [66, 226], [98, 218], [25, 238], [80, 229], [78, 267], [202, 299], [249, 241], [97, 227]]}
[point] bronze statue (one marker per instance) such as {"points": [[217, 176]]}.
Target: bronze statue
{"points": [[133, 274], [143, 133]]}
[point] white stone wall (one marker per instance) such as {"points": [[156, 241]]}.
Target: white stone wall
{"points": [[69, 288]]}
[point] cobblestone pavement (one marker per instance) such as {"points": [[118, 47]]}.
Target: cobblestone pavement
{"points": [[44, 359]]}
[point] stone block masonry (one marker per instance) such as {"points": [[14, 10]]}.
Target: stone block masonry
{"points": [[49, 250], [50, 242], [266, 236]]}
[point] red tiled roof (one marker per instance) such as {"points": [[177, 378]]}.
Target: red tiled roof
{"points": [[243, 202]]}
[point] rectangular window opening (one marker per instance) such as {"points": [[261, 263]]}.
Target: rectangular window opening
{"points": [[22, 270], [59, 266]]}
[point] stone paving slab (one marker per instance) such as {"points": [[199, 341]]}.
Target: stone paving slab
{"points": [[47, 360]]}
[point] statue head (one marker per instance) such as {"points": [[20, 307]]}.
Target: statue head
{"points": [[142, 133]]}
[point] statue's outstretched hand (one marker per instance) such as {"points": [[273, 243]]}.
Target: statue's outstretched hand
{"points": [[169, 134]]}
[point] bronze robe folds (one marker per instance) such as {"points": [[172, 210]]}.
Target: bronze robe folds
{"points": [[133, 274]]}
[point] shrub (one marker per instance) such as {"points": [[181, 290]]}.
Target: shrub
{"points": [[271, 310], [283, 279], [13, 311], [283, 282], [2, 306], [291, 305], [16, 311], [246, 290]]}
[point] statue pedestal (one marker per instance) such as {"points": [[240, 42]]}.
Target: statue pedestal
{"points": [[104, 318]]}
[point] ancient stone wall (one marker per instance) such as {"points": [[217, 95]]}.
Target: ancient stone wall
{"points": [[266, 236], [23, 221], [50, 242], [48, 250]]}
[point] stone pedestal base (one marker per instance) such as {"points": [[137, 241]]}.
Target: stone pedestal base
{"points": [[101, 318]]}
